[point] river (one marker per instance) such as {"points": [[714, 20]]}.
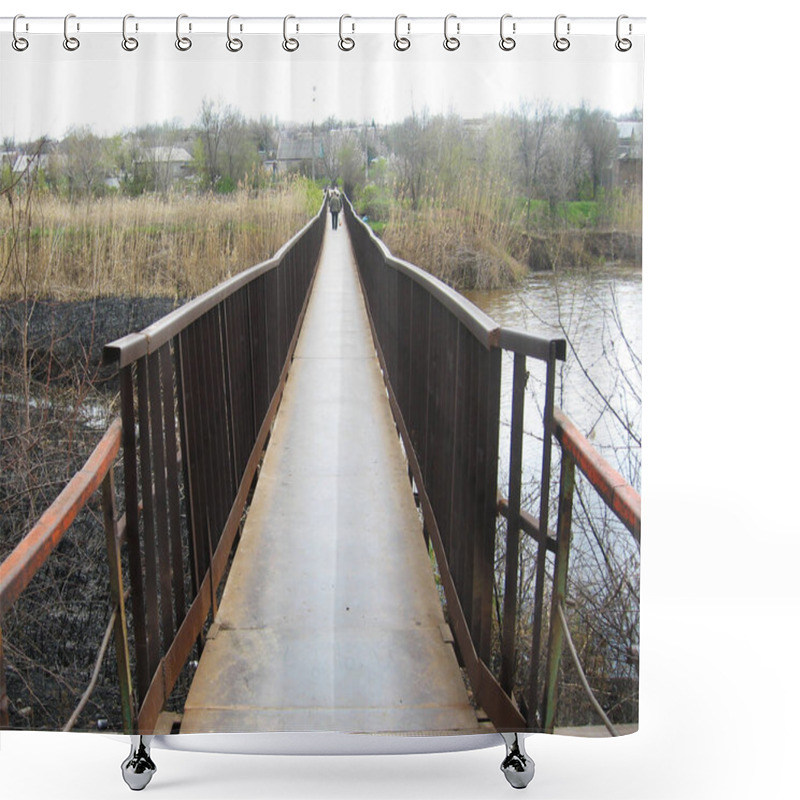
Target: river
{"points": [[599, 312]]}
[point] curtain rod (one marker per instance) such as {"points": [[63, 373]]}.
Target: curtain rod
{"points": [[462, 26]]}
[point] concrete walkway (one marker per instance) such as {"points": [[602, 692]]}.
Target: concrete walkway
{"points": [[331, 619]]}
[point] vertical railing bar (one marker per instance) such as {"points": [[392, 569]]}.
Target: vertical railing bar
{"points": [[159, 476], [173, 496], [150, 561], [117, 590], [232, 423], [541, 556], [4, 720], [492, 445], [508, 650], [187, 426], [132, 528], [560, 569]]}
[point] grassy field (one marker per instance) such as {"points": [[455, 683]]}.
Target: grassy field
{"points": [[149, 245]]}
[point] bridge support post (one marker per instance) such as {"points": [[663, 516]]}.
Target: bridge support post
{"points": [[517, 766], [138, 768]]}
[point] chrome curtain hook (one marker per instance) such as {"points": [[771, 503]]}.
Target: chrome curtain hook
{"points": [[19, 43], [129, 43], [183, 43], [70, 42], [451, 42], [345, 42], [234, 45], [290, 44], [506, 42], [623, 45], [561, 43], [401, 43]]}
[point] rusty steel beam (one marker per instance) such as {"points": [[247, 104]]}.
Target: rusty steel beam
{"points": [[528, 524], [615, 491], [17, 571]]}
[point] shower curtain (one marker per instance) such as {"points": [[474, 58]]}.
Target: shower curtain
{"points": [[145, 162]]}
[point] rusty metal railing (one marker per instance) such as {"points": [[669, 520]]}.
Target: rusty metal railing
{"points": [[19, 568], [199, 391], [441, 358], [620, 497]]}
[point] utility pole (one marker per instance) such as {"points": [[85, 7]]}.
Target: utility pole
{"points": [[313, 140]]}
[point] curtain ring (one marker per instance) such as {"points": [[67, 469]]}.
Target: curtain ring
{"points": [[19, 43], [623, 45], [70, 42], [401, 43], [346, 43], [290, 44], [129, 43], [561, 43], [234, 45], [506, 42], [451, 42], [183, 43]]}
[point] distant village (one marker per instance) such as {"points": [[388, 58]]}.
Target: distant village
{"points": [[223, 152]]}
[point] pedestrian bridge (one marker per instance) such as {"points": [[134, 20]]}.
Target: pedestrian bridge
{"points": [[305, 530]]}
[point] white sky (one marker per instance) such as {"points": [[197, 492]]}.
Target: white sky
{"points": [[46, 89]]}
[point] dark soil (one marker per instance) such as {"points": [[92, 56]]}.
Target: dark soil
{"points": [[65, 336]]}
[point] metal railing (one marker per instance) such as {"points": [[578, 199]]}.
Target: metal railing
{"points": [[199, 391], [441, 358], [20, 567]]}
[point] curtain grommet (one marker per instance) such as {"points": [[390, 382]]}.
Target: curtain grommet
{"points": [[623, 44], [182, 43], [507, 43], [289, 44], [233, 44], [129, 43], [451, 43], [71, 43], [19, 43], [561, 43], [401, 43], [346, 43]]}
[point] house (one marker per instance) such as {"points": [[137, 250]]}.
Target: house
{"points": [[296, 152], [163, 165], [628, 166]]}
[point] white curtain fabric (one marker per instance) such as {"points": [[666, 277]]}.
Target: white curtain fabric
{"points": [[46, 90]]}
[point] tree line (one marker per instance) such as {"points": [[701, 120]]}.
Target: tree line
{"points": [[533, 155]]}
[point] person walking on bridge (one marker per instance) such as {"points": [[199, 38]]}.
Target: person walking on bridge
{"points": [[335, 206]]}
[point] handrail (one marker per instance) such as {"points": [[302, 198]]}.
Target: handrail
{"points": [[614, 490], [127, 349], [19, 568]]}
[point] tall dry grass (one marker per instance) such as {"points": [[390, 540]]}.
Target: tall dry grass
{"points": [[466, 234], [175, 245]]}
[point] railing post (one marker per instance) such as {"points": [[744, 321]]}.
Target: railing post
{"points": [[118, 602], [508, 663], [3, 695], [541, 555], [556, 639]]}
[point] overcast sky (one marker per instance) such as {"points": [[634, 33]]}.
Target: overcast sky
{"points": [[46, 90]]}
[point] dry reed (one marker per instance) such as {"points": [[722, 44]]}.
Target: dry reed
{"points": [[175, 246]]}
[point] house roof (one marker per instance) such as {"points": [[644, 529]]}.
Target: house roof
{"points": [[295, 149], [24, 162], [629, 130], [167, 155]]}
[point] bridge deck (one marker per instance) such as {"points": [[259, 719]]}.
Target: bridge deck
{"points": [[331, 619]]}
